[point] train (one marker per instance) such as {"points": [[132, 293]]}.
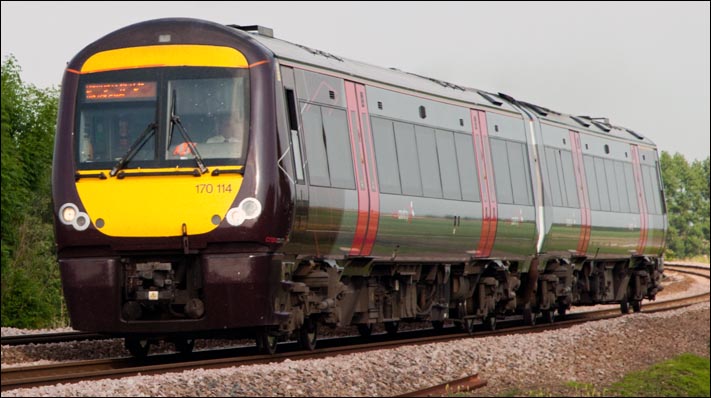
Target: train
{"points": [[214, 180]]}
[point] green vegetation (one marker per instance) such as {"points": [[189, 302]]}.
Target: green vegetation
{"points": [[684, 376], [687, 199], [31, 290]]}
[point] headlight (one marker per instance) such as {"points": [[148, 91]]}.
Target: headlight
{"points": [[67, 213], [252, 208], [81, 222], [248, 209], [235, 216]]}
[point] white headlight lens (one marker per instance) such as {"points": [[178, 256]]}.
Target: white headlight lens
{"points": [[235, 216], [251, 207], [67, 213], [81, 222]]}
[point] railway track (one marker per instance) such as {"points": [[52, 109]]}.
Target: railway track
{"points": [[45, 338], [21, 377]]}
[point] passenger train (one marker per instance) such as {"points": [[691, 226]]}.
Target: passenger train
{"points": [[213, 180]]}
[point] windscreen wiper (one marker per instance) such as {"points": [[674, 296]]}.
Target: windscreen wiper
{"points": [[134, 148], [175, 120]]}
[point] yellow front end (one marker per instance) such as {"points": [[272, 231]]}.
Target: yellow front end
{"points": [[158, 206]]}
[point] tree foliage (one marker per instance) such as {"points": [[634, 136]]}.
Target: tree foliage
{"points": [[687, 197], [31, 288]]}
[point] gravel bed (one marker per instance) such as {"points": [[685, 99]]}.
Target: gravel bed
{"points": [[597, 352]]}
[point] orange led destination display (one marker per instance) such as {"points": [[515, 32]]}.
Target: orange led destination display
{"points": [[120, 91]]}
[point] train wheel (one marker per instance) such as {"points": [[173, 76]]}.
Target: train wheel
{"points": [[391, 327], [184, 346], [469, 326], [437, 325], [625, 306], [637, 305], [490, 322], [137, 347], [529, 318], [365, 329], [549, 316], [307, 335], [561, 311], [267, 343]]}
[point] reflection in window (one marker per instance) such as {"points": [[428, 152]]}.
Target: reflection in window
{"points": [[407, 158], [106, 133], [429, 165], [328, 148], [448, 165], [214, 112], [386, 156], [467, 167]]}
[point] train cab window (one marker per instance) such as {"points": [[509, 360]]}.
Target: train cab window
{"points": [[214, 114], [112, 115], [429, 165], [386, 156], [407, 159], [122, 109]]}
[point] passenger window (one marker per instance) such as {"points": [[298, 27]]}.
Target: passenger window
{"points": [[591, 179], [316, 161], [612, 185], [649, 190], [632, 188], [448, 165], [602, 184], [622, 189], [468, 175], [520, 176], [429, 166], [554, 177], [407, 159], [338, 148], [502, 174], [571, 183], [386, 156]]}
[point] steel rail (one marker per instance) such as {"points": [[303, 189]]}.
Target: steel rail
{"points": [[21, 377]]}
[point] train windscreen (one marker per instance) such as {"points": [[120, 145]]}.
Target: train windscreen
{"points": [[159, 119]]}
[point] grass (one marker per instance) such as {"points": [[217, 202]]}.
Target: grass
{"points": [[686, 375], [695, 259]]}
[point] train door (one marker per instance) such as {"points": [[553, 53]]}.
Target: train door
{"points": [[301, 191], [583, 195], [365, 172], [486, 184], [641, 200]]}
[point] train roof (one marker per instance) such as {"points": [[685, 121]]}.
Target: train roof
{"points": [[301, 54]]}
